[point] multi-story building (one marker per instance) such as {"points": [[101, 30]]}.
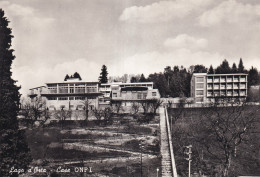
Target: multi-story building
{"points": [[206, 87], [70, 94], [73, 93], [128, 92]]}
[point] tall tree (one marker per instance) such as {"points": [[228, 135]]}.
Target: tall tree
{"points": [[223, 68], [133, 80], [200, 69], [103, 75], [253, 77], [66, 77], [142, 78], [14, 151], [241, 68], [234, 68], [76, 75], [211, 70]]}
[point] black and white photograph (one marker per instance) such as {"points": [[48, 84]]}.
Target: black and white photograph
{"points": [[129, 88]]}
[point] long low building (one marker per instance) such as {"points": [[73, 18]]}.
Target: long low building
{"points": [[207, 87], [75, 94]]}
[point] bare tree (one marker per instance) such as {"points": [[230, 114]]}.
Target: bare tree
{"points": [[86, 104], [145, 105], [35, 110], [62, 115], [117, 105], [227, 126], [155, 104], [98, 113], [135, 107]]}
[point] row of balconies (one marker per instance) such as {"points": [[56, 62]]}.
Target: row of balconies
{"points": [[228, 86], [210, 94], [226, 80]]}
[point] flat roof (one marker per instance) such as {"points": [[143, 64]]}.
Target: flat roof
{"points": [[37, 87], [69, 82], [205, 74], [130, 83]]}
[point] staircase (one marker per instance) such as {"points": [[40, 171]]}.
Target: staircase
{"points": [[168, 162]]}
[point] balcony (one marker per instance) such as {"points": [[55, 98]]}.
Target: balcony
{"points": [[242, 79], [66, 93], [229, 79], [209, 80]]}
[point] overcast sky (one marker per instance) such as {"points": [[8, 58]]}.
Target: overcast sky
{"points": [[53, 38]]}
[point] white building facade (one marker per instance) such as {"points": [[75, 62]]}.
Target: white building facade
{"points": [[206, 87]]}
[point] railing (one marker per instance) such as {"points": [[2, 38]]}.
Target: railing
{"points": [[174, 171]]}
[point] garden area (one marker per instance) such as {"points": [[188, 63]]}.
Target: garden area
{"points": [[224, 139], [123, 145]]}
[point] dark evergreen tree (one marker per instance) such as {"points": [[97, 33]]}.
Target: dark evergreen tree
{"points": [[241, 68], [103, 75], [142, 78], [14, 151], [211, 70], [133, 80], [66, 77], [223, 68], [76, 75], [234, 68], [160, 83], [200, 69], [253, 77], [176, 69]]}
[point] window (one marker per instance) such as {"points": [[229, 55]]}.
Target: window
{"points": [[200, 85], [79, 98], [139, 95], [79, 89], [71, 98], [52, 98], [199, 92], [114, 94], [62, 98], [71, 89], [63, 89], [145, 95], [153, 93], [200, 79]]}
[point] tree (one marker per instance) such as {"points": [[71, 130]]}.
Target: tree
{"points": [[103, 75], [135, 107], [142, 78], [223, 68], [117, 105], [66, 77], [200, 69], [76, 75], [241, 68], [211, 70], [234, 68], [227, 128], [62, 115], [253, 77], [155, 104], [86, 104], [14, 151], [133, 80], [35, 110]]}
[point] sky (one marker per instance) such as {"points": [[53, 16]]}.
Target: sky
{"points": [[53, 38]]}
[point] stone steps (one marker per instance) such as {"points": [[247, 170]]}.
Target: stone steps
{"points": [[165, 151]]}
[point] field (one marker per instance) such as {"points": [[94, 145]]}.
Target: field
{"points": [[223, 139], [111, 150]]}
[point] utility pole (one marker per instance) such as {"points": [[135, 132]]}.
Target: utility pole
{"points": [[141, 147], [189, 158]]}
